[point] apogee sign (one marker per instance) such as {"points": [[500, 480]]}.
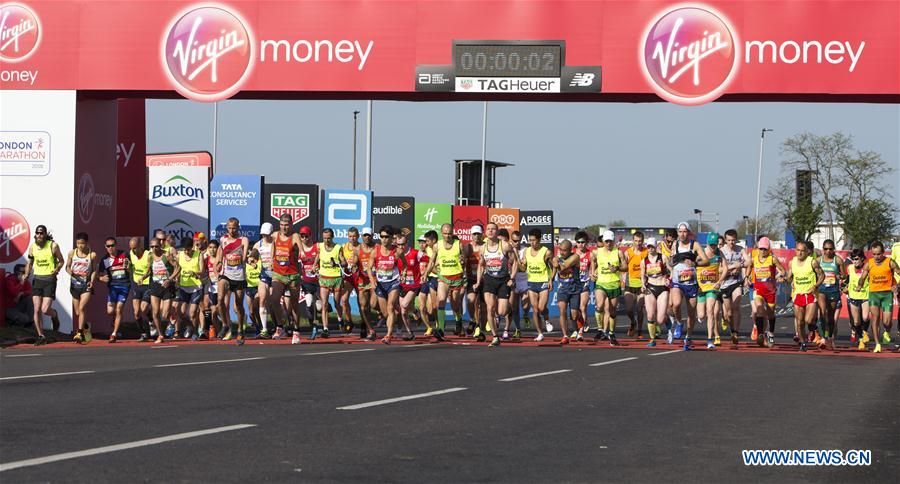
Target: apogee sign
{"points": [[208, 51]]}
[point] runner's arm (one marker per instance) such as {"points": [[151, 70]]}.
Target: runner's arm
{"points": [[60, 260], [594, 266], [175, 273], [863, 276], [514, 257], [820, 274], [644, 275], [69, 262], [702, 259], [93, 267]]}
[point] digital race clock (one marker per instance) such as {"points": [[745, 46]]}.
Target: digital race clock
{"points": [[508, 58]]}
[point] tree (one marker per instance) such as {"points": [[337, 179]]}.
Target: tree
{"points": [[804, 220], [704, 227], [594, 230], [866, 220], [770, 225], [617, 223]]}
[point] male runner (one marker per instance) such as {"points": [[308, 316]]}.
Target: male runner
{"points": [[254, 269], [410, 282], [190, 286], [497, 268], [232, 255], [538, 264], [285, 275], [138, 266], [385, 271], [519, 302], [879, 272], [634, 297], [829, 296], [329, 263], [765, 272], [426, 309], [857, 290], [45, 260], [474, 296], [114, 270], [211, 297], [587, 287], [804, 274], [448, 264], [350, 251], [162, 275], [264, 292], [309, 279], [81, 265], [686, 256], [365, 286], [734, 261], [709, 281], [607, 262], [568, 293]]}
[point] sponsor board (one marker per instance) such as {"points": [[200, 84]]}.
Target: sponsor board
{"points": [[15, 235], [505, 218], [299, 201], [430, 216], [343, 209], [238, 196], [199, 158], [465, 217], [24, 153], [178, 199], [537, 219], [398, 212], [508, 84]]}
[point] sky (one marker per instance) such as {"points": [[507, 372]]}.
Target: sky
{"points": [[649, 164]]}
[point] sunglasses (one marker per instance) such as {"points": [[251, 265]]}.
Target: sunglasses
{"points": [[109, 246], [857, 258], [152, 246], [580, 241], [304, 236], [384, 236], [827, 248]]}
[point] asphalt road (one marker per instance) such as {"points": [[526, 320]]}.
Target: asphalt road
{"points": [[644, 416]]}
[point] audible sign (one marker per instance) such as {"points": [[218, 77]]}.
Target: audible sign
{"points": [[398, 212]]}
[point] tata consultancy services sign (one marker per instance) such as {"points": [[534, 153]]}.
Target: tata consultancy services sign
{"points": [[178, 199], [344, 209]]}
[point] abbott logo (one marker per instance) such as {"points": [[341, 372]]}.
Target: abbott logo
{"points": [[20, 32], [207, 52], [347, 208], [690, 55], [429, 214]]}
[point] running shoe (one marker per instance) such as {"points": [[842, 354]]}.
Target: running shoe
{"points": [[710, 345], [717, 341], [812, 336], [78, 338], [439, 334], [263, 335], [539, 337], [429, 332], [170, 330], [651, 344], [679, 330], [818, 340], [862, 346], [886, 338], [754, 333], [313, 333], [295, 339], [670, 338], [579, 336], [630, 330], [143, 338], [877, 348], [564, 340], [495, 342], [505, 335], [527, 322], [735, 339], [612, 339], [227, 336], [194, 337], [853, 338], [517, 334], [724, 325], [760, 340], [599, 335], [481, 338], [279, 333], [477, 332], [152, 332], [865, 337], [239, 340], [796, 338], [159, 339], [325, 333], [471, 328], [770, 340], [803, 346], [459, 330], [187, 332], [87, 335], [409, 337], [574, 334], [386, 340], [40, 340], [113, 339], [687, 345], [639, 336], [548, 326]]}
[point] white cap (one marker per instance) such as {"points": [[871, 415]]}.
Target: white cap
{"points": [[476, 229], [265, 229], [650, 242], [609, 235], [422, 238], [366, 231]]}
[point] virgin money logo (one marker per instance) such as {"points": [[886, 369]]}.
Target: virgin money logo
{"points": [[690, 54], [207, 52], [14, 235], [20, 32]]}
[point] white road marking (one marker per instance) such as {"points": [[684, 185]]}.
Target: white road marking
{"points": [[8, 466], [533, 375], [666, 352], [335, 352], [420, 345], [44, 374], [20, 356], [164, 346], [613, 361], [401, 399], [209, 362]]}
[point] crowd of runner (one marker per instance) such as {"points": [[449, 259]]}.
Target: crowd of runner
{"points": [[190, 288]]}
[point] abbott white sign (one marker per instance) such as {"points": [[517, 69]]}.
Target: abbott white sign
{"points": [[345, 209]]}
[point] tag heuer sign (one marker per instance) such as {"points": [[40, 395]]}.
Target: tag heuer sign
{"points": [[297, 206]]}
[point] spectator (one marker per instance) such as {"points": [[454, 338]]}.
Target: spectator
{"points": [[19, 308]]}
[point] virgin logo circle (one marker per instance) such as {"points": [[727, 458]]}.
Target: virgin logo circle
{"points": [[14, 235], [207, 52], [20, 32], [689, 55], [86, 198]]}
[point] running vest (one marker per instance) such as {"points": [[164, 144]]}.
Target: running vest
{"points": [[496, 263], [880, 279], [365, 259], [536, 266], [635, 259], [253, 272], [114, 266], [329, 261], [429, 254], [895, 256], [386, 269], [804, 276], [265, 256], [584, 266], [730, 257], [684, 272], [448, 259], [44, 262], [569, 275], [211, 272], [81, 269], [351, 256], [854, 274], [139, 266], [831, 283], [606, 276], [307, 263], [655, 268], [284, 257], [763, 271], [708, 276], [412, 273], [160, 270], [472, 261], [190, 268], [233, 267]]}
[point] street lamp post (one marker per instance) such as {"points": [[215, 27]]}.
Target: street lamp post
{"points": [[699, 214], [762, 139], [355, 114]]}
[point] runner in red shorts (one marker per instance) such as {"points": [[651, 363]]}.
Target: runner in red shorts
{"points": [[765, 270], [805, 275]]}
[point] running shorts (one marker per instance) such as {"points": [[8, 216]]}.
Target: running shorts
{"points": [[538, 286], [78, 291], [458, 280], [587, 286], [117, 294], [234, 285], [496, 286], [569, 294], [856, 302], [382, 289], [44, 287], [728, 291], [362, 282], [832, 295], [251, 292], [657, 290], [689, 290], [266, 277], [633, 290], [703, 296], [286, 280], [612, 291], [309, 288], [433, 283], [186, 295], [140, 292], [882, 299], [803, 300], [521, 285], [404, 290], [330, 282], [162, 292], [764, 294]]}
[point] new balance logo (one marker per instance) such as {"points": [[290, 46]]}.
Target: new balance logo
{"points": [[582, 79]]}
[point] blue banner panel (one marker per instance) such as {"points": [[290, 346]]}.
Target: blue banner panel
{"points": [[238, 196], [342, 209]]}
